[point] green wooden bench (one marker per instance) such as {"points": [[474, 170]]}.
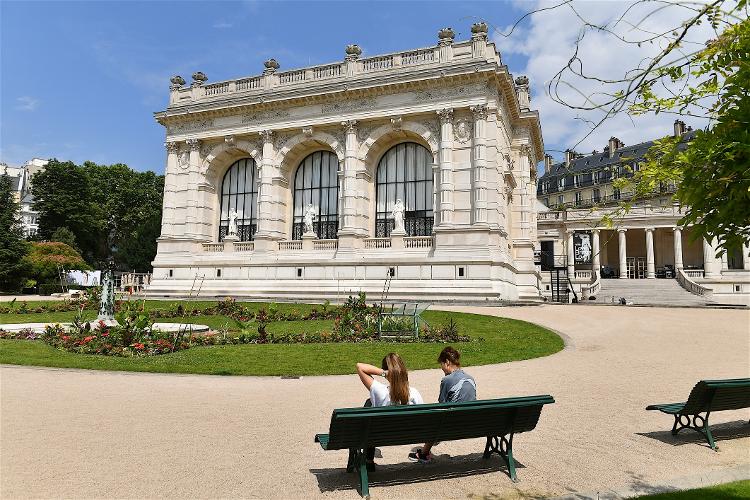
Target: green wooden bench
{"points": [[707, 396], [357, 429]]}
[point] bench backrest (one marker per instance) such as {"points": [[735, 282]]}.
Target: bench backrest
{"points": [[396, 425], [717, 395]]}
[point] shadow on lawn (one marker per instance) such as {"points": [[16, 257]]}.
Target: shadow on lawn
{"points": [[727, 430], [444, 467]]}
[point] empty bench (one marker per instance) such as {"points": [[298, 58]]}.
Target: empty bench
{"points": [[498, 420], [707, 396]]}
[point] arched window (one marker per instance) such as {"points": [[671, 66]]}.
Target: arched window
{"points": [[405, 173], [316, 182], [239, 192]]}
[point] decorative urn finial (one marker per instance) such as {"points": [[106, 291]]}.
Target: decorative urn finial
{"points": [[199, 78], [177, 82], [271, 66], [353, 51], [446, 36], [479, 30]]}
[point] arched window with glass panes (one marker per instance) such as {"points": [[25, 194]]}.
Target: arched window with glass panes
{"points": [[405, 173], [239, 192], [316, 183]]}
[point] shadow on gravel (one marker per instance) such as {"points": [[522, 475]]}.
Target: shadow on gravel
{"points": [[727, 430], [444, 467]]}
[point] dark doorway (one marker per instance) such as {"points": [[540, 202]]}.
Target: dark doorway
{"points": [[548, 255]]}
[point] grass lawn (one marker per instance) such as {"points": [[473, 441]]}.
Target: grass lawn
{"points": [[728, 491], [503, 340]]}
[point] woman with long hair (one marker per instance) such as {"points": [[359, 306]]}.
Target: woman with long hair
{"points": [[397, 392]]}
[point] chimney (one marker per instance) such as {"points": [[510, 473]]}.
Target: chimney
{"points": [[614, 145], [547, 163], [570, 155], [679, 128]]}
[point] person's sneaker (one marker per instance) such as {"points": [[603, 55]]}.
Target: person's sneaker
{"points": [[418, 456]]}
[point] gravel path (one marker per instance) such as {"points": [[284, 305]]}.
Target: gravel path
{"points": [[86, 434]]}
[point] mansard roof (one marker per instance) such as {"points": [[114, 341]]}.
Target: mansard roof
{"points": [[594, 161]]}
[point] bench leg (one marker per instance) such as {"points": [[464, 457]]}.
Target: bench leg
{"points": [[504, 447], [364, 487], [696, 422], [705, 430]]}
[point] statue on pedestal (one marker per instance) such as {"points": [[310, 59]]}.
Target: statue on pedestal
{"points": [[309, 219], [398, 217], [232, 223], [107, 299]]}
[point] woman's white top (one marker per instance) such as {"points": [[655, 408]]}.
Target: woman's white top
{"points": [[380, 395]]}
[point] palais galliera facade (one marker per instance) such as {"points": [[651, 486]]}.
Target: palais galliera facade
{"points": [[412, 171]]}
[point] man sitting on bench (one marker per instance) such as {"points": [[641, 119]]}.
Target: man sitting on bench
{"points": [[457, 386]]}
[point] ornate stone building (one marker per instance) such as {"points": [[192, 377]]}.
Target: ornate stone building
{"points": [[290, 183], [645, 242]]}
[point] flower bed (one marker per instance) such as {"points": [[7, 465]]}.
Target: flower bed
{"points": [[354, 322]]}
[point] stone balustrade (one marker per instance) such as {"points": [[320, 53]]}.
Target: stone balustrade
{"points": [[290, 245], [685, 281], [244, 246], [418, 242], [693, 273], [377, 243], [213, 247], [325, 244], [430, 56]]}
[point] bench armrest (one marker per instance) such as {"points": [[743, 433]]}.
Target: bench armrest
{"points": [[671, 408], [322, 439]]}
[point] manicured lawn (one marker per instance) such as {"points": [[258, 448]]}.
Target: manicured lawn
{"points": [[502, 340], [728, 491]]}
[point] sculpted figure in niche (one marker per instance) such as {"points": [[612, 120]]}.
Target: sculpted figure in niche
{"points": [[398, 217], [232, 222], [310, 215]]}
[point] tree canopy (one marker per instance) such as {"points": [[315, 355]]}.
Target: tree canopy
{"points": [[112, 211], [13, 270]]}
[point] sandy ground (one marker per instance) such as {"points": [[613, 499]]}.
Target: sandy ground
{"points": [[86, 434]]}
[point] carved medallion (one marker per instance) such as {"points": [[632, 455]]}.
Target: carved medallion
{"points": [[462, 130]]}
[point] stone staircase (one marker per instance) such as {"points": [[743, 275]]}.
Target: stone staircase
{"points": [[657, 292]]}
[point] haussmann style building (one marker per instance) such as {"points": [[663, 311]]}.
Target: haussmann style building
{"points": [[643, 251], [412, 171]]}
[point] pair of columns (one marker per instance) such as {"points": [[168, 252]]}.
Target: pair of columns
{"points": [[650, 259], [595, 253]]}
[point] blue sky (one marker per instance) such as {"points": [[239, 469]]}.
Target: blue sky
{"points": [[81, 80]]}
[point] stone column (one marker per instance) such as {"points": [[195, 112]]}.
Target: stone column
{"points": [[709, 255], [446, 167], [168, 219], [746, 257], [193, 215], [571, 256], [677, 248], [480, 165], [596, 265], [650, 266], [264, 236], [348, 223], [623, 253]]}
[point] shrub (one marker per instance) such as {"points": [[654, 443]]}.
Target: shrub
{"points": [[50, 288], [45, 258]]}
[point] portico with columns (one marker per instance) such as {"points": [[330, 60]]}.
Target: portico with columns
{"points": [[284, 185], [647, 243]]}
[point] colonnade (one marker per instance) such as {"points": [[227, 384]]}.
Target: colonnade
{"points": [[712, 265]]}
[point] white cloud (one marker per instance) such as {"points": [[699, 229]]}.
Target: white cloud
{"points": [[548, 40], [27, 103], [221, 25]]}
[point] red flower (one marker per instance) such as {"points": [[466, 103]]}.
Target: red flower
{"points": [[139, 346]]}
